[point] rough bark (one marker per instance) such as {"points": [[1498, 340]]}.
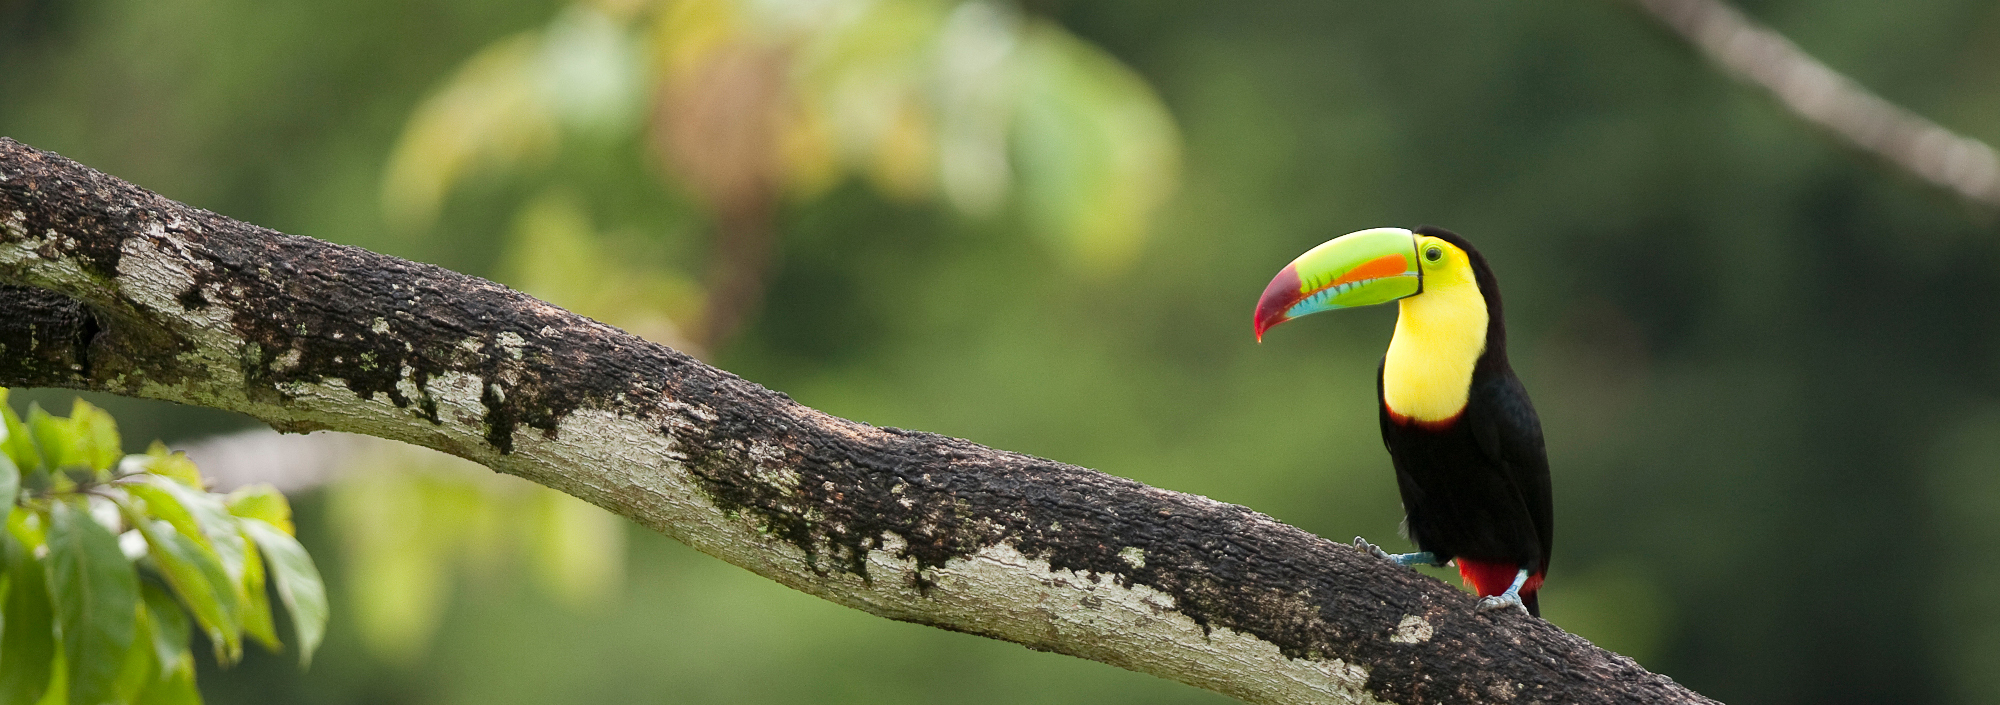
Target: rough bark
{"points": [[124, 291]]}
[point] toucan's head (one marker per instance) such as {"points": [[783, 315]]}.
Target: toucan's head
{"points": [[1366, 268]]}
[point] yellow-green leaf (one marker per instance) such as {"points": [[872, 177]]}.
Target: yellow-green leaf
{"points": [[96, 434], [58, 692], [262, 501], [218, 528], [19, 444], [161, 504], [26, 527], [10, 486], [1098, 151], [28, 640], [175, 686], [299, 584], [256, 605], [96, 595], [172, 464], [140, 665], [55, 437], [197, 577]]}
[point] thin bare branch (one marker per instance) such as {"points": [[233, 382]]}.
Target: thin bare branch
{"points": [[1809, 88]]}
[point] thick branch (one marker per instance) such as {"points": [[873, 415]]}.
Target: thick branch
{"points": [[1833, 101], [184, 305]]}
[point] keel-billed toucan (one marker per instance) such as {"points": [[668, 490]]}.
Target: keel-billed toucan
{"points": [[1465, 441]]}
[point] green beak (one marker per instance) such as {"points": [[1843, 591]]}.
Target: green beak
{"points": [[1357, 269]]}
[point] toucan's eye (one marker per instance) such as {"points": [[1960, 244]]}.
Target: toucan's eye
{"points": [[1434, 254]]}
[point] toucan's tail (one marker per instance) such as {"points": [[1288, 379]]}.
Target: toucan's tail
{"points": [[1532, 601]]}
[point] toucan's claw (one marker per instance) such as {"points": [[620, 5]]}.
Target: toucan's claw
{"points": [[1362, 545], [1510, 598], [1501, 602]]}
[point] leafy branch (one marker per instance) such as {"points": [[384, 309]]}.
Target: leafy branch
{"points": [[109, 557]]}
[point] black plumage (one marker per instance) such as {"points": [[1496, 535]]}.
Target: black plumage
{"points": [[1475, 487]]}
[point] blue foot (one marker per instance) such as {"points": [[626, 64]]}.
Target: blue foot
{"points": [[1415, 559], [1403, 559]]}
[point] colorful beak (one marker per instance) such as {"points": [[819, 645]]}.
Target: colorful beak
{"points": [[1357, 269]]}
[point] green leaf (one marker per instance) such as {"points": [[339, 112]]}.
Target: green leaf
{"points": [[218, 530], [262, 501], [96, 434], [1097, 149], [299, 584], [96, 595], [26, 527], [257, 605], [140, 665], [172, 464], [58, 692], [175, 686], [161, 504], [197, 577], [29, 638], [207, 510], [170, 623], [18, 444], [10, 486], [56, 438]]}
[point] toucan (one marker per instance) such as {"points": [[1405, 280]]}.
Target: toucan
{"points": [[1461, 433]]}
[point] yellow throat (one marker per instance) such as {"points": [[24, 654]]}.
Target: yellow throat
{"points": [[1440, 334]]}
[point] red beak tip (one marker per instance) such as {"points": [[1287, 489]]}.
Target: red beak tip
{"points": [[1262, 325]]}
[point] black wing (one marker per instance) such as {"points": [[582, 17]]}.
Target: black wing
{"points": [[1509, 433]]}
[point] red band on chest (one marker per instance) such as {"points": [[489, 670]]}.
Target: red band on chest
{"points": [[1443, 424]]}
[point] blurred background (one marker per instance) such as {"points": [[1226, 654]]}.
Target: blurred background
{"points": [[1768, 365]]}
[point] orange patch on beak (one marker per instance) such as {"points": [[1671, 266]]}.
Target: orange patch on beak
{"points": [[1384, 266]]}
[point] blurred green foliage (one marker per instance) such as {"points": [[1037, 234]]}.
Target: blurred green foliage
{"points": [[1768, 367], [106, 559], [756, 102], [962, 100], [410, 520]]}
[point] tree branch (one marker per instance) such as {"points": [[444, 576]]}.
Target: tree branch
{"points": [[1823, 96], [131, 293]]}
